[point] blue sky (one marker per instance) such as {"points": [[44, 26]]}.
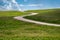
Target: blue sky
{"points": [[34, 4]]}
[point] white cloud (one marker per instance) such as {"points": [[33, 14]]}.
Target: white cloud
{"points": [[14, 1], [22, 5], [9, 4], [35, 5], [32, 5]]}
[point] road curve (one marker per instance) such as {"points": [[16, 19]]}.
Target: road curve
{"points": [[32, 21]]}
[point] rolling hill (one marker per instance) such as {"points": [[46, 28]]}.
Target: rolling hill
{"points": [[49, 16], [12, 29]]}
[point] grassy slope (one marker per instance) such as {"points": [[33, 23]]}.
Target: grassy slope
{"points": [[11, 29], [11, 13], [50, 16]]}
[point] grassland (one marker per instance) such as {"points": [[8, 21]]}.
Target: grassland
{"points": [[49, 16], [11, 29]]}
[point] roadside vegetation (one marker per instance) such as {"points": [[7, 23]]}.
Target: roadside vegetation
{"points": [[12, 29], [49, 16]]}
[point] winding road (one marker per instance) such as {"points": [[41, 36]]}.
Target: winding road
{"points": [[32, 21]]}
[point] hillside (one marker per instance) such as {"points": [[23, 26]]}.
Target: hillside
{"points": [[12, 29], [50, 15]]}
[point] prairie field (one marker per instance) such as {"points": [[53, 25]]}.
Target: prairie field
{"points": [[12, 29]]}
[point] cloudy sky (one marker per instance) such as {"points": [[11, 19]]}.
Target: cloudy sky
{"points": [[29, 4]]}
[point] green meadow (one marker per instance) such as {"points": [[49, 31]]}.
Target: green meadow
{"points": [[12, 29], [48, 15]]}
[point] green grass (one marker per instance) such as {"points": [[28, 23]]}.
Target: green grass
{"points": [[11, 13], [12, 29], [49, 16]]}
